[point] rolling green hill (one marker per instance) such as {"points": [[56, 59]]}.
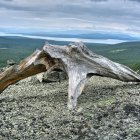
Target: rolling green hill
{"points": [[127, 53], [17, 48]]}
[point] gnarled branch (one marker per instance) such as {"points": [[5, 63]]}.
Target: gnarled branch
{"points": [[36, 63]]}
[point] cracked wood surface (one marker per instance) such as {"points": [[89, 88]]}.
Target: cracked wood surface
{"points": [[76, 60]]}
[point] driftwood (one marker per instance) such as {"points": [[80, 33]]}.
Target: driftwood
{"points": [[76, 60]]}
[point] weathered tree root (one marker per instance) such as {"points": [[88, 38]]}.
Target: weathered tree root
{"points": [[76, 60]]}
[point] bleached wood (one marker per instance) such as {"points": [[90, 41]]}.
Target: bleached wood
{"points": [[80, 63], [36, 63], [76, 60]]}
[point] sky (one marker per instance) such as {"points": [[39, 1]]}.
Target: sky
{"points": [[83, 16]]}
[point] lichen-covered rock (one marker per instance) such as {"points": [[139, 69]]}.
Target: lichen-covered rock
{"points": [[107, 109], [54, 76]]}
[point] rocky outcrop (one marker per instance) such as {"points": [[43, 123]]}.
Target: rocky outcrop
{"points": [[11, 62], [54, 76]]}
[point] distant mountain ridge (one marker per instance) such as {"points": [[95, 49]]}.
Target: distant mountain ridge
{"points": [[78, 34], [91, 36], [17, 48]]}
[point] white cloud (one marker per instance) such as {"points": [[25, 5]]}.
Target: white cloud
{"points": [[95, 15]]}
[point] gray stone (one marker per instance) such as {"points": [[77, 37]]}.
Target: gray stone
{"points": [[55, 76], [11, 62]]}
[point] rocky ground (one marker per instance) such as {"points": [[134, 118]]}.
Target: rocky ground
{"points": [[107, 110]]}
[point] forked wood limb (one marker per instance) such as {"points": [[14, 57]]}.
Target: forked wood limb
{"points": [[36, 63], [76, 60]]}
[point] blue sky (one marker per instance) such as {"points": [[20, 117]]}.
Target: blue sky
{"points": [[83, 16]]}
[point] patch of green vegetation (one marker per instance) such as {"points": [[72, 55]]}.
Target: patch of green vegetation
{"points": [[106, 102], [135, 66], [130, 56], [88, 114], [17, 48], [135, 131]]}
